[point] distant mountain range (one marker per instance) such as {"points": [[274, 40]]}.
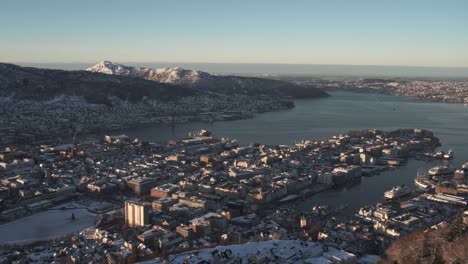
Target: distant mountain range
{"points": [[106, 79], [203, 81]]}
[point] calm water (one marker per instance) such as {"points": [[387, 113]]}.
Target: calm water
{"points": [[45, 226], [343, 111]]}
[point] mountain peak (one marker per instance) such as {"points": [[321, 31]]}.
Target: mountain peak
{"points": [[176, 75], [207, 82], [109, 67]]}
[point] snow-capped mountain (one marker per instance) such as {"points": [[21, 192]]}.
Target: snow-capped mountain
{"points": [[210, 83], [45, 84], [174, 75]]}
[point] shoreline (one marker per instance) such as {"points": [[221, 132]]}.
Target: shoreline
{"points": [[47, 238], [383, 92]]}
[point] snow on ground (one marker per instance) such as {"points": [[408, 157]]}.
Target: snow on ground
{"points": [[45, 226], [272, 251], [94, 206]]}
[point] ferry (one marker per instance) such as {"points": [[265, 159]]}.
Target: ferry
{"points": [[397, 192], [441, 171]]}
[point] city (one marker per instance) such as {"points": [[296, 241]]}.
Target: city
{"points": [[148, 200], [234, 132], [422, 90]]}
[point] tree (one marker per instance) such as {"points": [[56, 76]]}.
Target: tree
{"points": [[456, 228], [438, 258]]}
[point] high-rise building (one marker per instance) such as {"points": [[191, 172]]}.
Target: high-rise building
{"points": [[136, 213], [303, 222]]}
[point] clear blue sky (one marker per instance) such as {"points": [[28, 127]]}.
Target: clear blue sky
{"points": [[374, 32]]}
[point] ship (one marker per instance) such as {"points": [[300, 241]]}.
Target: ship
{"points": [[440, 154], [397, 192], [421, 180], [441, 171]]}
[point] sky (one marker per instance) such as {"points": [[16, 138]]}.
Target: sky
{"points": [[374, 32]]}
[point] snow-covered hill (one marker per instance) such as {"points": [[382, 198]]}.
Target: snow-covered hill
{"points": [[46, 84], [174, 75], [212, 83]]}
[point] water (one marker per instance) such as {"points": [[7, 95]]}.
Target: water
{"points": [[343, 111], [45, 226]]}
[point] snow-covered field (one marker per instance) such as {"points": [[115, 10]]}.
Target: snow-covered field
{"points": [[92, 205], [45, 225]]}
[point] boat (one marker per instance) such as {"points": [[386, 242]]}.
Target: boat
{"points": [[441, 171], [397, 192], [421, 180], [440, 154], [393, 162], [449, 154]]}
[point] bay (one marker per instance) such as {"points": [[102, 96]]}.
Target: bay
{"points": [[337, 114]]}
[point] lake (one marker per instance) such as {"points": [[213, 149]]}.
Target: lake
{"points": [[339, 113]]}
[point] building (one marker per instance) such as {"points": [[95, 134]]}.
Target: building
{"points": [[185, 231], [163, 204], [136, 213], [149, 236], [383, 213], [165, 190], [142, 185], [446, 190], [201, 227], [169, 240], [193, 202], [303, 222], [340, 257]]}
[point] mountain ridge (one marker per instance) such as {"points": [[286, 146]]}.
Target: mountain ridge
{"points": [[204, 81], [44, 84]]}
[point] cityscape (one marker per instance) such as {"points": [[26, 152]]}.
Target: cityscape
{"points": [[213, 132]]}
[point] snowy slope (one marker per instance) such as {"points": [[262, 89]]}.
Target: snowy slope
{"points": [[174, 75], [226, 84]]}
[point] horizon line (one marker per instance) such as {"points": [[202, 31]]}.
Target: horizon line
{"points": [[234, 63]]}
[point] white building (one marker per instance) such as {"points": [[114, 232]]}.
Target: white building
{"points": [[136, 214]]}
